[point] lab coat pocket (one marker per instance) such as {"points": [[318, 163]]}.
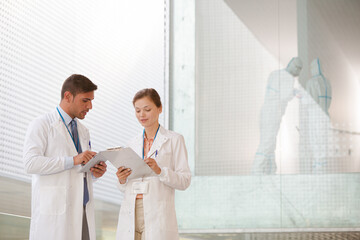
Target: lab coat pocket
{"points": [[164, 159], [52, 200], [165, 216], [126, 218]]}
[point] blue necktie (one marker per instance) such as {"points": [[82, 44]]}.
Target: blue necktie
{"points": [[74, 132]]}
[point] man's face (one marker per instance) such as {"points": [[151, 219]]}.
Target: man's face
{"points": [[80, 104]]}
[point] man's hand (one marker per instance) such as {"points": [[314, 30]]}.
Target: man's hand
{"points": [[99, 169], [83, 157]]}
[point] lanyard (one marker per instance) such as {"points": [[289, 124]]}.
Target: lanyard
{"points": [[144, 140], [69, 130]]}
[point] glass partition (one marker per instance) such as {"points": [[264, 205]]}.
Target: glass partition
{"points": [[276, 92]]}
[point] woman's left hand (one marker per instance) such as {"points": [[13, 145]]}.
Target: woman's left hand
{"points": [[153, 165]]}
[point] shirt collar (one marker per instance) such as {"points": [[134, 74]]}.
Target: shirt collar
{"points": [[66, 116]]}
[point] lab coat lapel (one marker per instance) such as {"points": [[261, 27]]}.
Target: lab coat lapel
{"points": [[59, 126], [159, 141]]}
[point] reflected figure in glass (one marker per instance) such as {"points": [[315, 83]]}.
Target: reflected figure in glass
{"points": [[279, 91], [317, 100]]}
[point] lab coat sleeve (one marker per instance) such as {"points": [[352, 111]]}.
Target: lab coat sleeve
{"points": [[179, 177], [34, 149], [120, 186]]}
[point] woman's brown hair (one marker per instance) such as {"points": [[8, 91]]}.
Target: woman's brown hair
{"points": [[150, 93]]}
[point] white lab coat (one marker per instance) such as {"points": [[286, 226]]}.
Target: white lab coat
{"points": [[57, 194], [159, 202]]}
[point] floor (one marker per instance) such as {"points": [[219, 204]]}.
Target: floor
{"points": [[274, 236], [15, 219]]}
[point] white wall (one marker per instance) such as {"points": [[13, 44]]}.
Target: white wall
{"points": [[119, 45], [182, 74]]}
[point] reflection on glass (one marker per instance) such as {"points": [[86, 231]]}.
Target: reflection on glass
{"points": [[319, 87], [233, 42], [279, 91], [317, 100]]}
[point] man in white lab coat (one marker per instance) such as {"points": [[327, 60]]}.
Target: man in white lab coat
{"points": [[56, 144]]}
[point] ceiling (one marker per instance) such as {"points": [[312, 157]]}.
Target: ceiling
{"points": [[275, 25], [343, 21]]}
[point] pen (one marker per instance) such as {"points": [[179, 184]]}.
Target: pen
{"points": [[153, 154], [89, 144]]}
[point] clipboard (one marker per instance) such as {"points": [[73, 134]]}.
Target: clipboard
{"points": [[121, 157], [95, 160]]}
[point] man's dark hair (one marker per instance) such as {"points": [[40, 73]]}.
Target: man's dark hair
{"points": [[77, 83]]}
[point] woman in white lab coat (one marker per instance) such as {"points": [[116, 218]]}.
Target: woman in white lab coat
{"points": [[148, 209]]}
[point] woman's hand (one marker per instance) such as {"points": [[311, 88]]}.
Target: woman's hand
{"points": [[153, 165], [122, 174]]}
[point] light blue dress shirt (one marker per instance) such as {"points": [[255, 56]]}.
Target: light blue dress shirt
{"points": [[69, 161]]}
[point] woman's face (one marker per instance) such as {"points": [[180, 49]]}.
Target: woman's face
{"points": [[147, 112]]}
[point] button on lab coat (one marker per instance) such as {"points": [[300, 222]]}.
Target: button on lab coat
{"points": [[57, 194], [159, 201]]}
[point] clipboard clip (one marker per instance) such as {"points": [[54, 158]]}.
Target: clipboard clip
{"points": [[114, 148]]}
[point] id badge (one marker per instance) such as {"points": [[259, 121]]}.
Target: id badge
{"points": [[140, 187]]}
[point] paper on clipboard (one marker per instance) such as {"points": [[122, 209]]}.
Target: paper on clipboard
{"points": [[121, 157]]}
